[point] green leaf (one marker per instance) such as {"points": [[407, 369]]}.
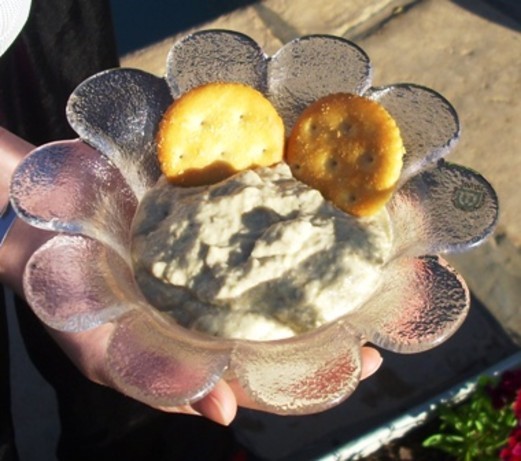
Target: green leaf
{"points": [[479, 425], [454, 438], [432, 440]]}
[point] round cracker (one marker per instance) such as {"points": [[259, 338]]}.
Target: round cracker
{"points": [[350, 149], [216, 130]]}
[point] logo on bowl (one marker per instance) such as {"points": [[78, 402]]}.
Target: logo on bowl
{"points": [[468, 197]]}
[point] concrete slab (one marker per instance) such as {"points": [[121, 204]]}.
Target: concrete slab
{"points": [[289, 19]]}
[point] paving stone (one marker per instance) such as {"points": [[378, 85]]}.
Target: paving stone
{"points": [[289, 19]]}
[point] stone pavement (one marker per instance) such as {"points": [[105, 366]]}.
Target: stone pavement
{"points": [[468, 51]]}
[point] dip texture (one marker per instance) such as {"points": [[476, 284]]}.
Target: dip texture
{"points": [[258, 256]]}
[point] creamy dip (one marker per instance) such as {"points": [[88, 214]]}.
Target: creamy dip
{"points": [[258, 256]]}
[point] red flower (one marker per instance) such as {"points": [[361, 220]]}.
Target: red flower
{"points": [[517, 407], [512, 452], [506, 390]]}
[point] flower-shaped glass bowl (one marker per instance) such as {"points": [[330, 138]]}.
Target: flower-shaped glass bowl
{"points": [[88, 190]]}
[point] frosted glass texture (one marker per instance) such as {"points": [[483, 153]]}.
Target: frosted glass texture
{"points": [[82, 277]]}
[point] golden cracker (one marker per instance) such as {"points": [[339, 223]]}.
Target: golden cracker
{"points": [[350, 149], [216, 130]]}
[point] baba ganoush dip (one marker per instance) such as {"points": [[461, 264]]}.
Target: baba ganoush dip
{"points": [[259, 256]]}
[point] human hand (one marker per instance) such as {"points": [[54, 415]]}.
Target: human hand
{"points": [[88, 349]]}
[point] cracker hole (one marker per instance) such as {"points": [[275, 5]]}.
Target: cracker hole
{"points": [[312, 128], [344, 127], [367, 159], [331, 163], [351, 198]]}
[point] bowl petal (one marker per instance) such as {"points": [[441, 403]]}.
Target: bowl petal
{"points": [[303, 375], [428, 123], [311, 67], [74, 283], [419, 304], [212, 56], [423, 226], [118, 111], [68, 186], [159, 364]]}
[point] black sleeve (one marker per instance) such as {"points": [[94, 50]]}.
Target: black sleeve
{"points": [[7, 445], [63, 42]]}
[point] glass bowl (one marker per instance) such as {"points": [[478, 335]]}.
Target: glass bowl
{"points": [[88, 190]]}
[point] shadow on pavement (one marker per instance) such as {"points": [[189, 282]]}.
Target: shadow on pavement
{"points": [[504, 12]]}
